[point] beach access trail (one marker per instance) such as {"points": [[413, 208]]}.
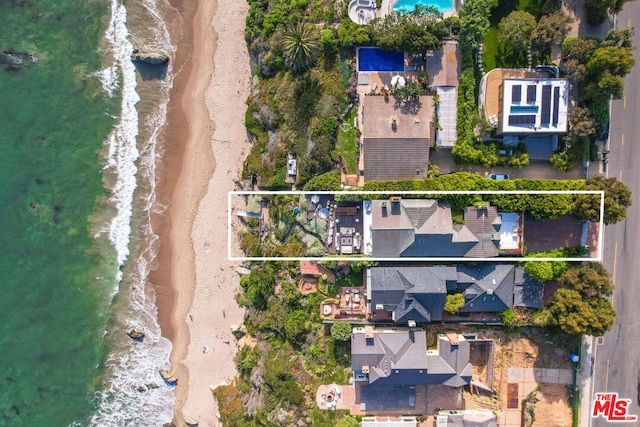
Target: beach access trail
{"points": [[206, 124]]}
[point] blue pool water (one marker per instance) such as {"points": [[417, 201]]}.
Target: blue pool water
{"points": [[524, 109], [375, 59], [411, 4]]}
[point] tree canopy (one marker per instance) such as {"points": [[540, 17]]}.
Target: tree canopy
{"points": [[295, 324], [576, 52], [550, 29], [581, 123], [259, 285], [301, 47], [516, 28], [417, 31], [577, 315], [545, 270], [617, 198], [474, 22], [590, 280]]}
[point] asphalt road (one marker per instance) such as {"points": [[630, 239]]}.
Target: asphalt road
{"points": [[618, 359]]}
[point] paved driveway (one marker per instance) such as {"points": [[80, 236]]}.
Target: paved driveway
{"points": [[537, 169]]}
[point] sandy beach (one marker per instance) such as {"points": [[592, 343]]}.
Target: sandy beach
{"points": [[206, 144]]}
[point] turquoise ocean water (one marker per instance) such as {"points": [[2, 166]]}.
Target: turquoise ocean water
{"points": [[78, 145]]}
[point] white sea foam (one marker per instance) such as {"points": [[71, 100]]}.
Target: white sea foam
{"points": [[129, 396]]}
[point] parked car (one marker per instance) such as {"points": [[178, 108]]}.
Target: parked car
{"points": [[498, 176]]}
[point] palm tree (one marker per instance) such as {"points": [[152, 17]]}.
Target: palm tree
{"points": [[301, 47]]}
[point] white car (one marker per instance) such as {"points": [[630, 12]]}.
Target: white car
{"points": [[498, 176]]}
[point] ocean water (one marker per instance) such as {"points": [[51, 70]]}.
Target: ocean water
{"points": [[79, 141]]}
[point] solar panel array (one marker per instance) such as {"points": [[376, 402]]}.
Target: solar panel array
{"points": [[532, 93], [556, 104], [545, 118], [522, 120], [516, 93]]}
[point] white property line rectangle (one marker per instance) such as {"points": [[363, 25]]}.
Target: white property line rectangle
{"points": [[232, 194]]}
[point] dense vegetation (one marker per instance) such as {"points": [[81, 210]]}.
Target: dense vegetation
{"points": [[617, 195], [294, 353], [598, 68]]}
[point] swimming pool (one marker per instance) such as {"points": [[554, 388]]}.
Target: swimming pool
{"points": [[411, 4], [376, 59]]}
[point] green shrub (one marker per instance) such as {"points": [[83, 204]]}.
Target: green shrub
{"points": [[329, 181], [295, 324], [341, 331], [562, 161], [246, 359], [509, 317], [453, 303]]}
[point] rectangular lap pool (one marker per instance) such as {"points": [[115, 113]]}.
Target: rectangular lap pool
{"points": [[411, 4], [375, 59]]}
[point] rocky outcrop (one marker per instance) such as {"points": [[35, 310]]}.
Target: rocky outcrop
{"points": [[15, 61], [136, 335], [152, 58], [168, 377]]}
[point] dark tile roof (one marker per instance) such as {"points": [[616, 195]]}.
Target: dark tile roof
{"points": [[487, 288], [484, 223], [400, 357], [527, 292], [385, 353], [419, 293], [412, 293], [418, 228], [388, 159]]}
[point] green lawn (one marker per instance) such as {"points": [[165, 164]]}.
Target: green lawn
{"points": [[494, 54], [346, 146], [351, 279], [490, 49]]}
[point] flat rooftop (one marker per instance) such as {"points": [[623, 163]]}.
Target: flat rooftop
{"points": [[492, 82], [443, 66], [413, 120], [534, 105]]}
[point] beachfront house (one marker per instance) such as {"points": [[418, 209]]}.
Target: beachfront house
{"points": [[396, 362], [417, 294], [424, 228]]}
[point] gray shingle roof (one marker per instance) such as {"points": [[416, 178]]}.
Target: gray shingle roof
{"points": [[419, 293], [421, 228], [390, 159], [415, 293], [527, 292], [484, 223], [487, 288], [400, 357]]}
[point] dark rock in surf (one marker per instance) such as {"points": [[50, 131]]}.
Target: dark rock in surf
{"points": [[13, 60], [152, 58], [168, 377], [136, 335]]}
